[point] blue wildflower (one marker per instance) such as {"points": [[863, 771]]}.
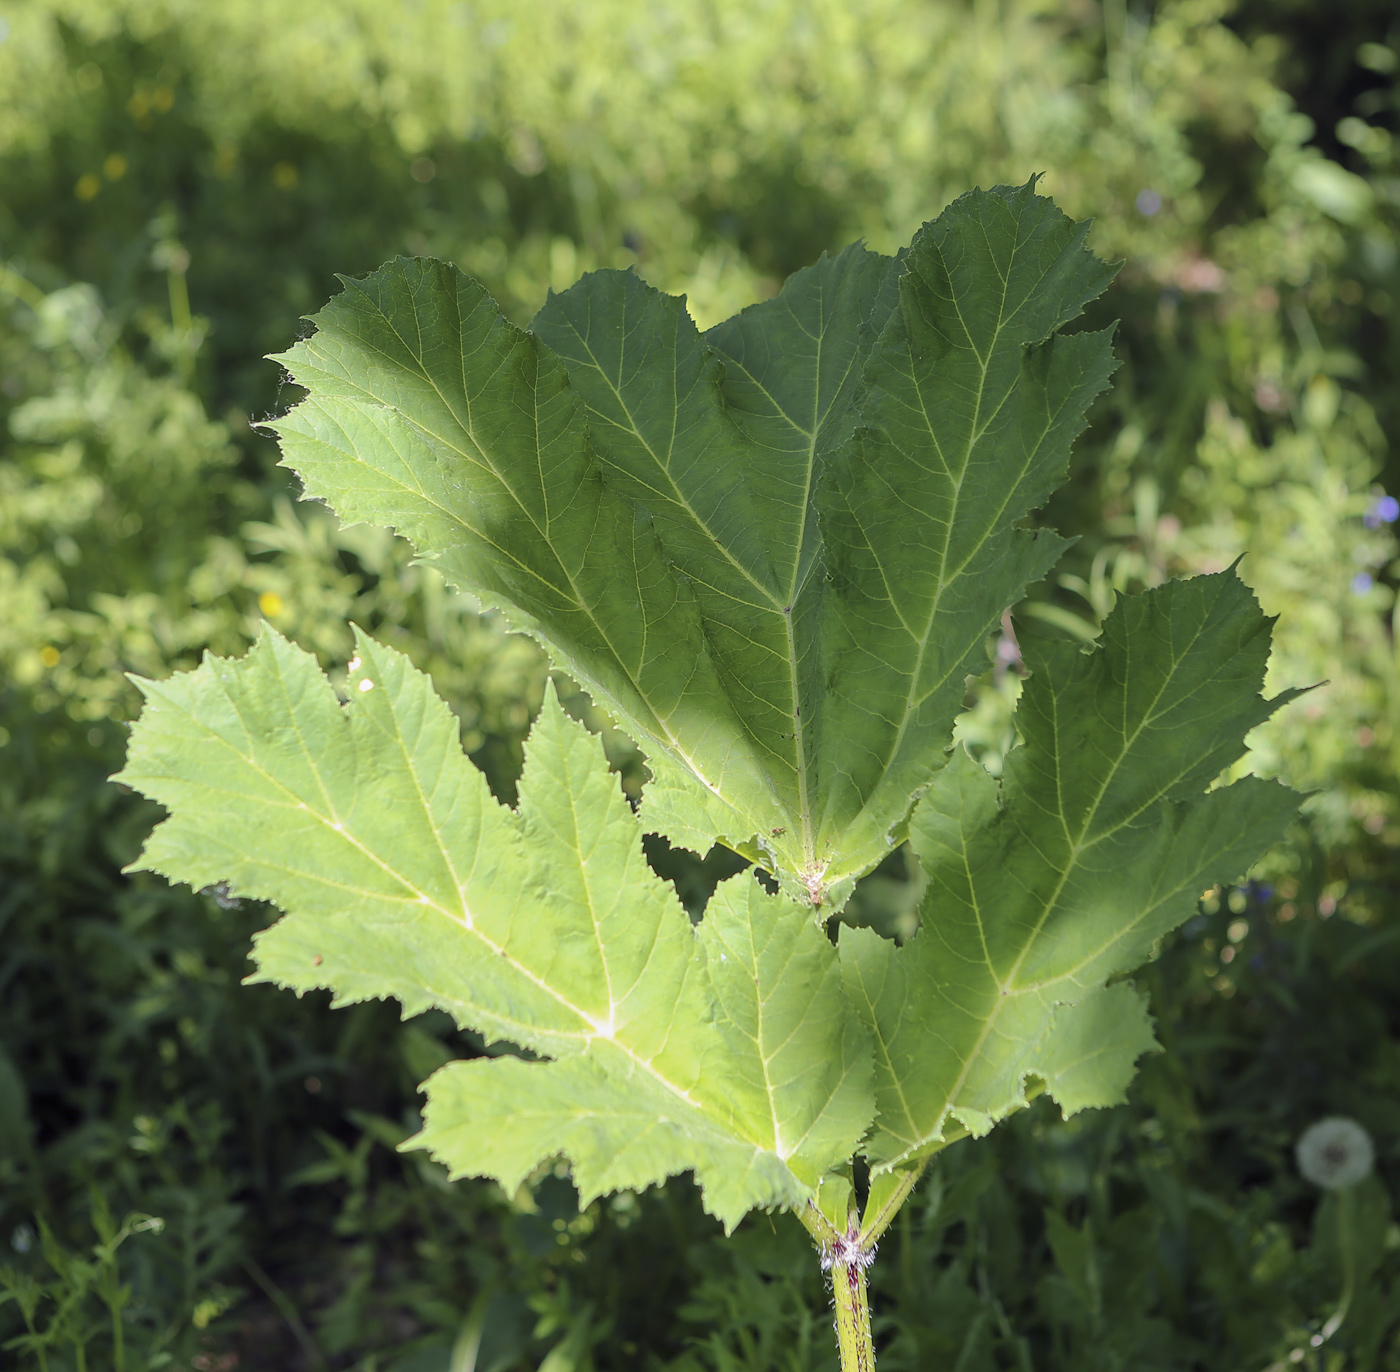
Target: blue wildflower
{"points": [[1384, 509]]}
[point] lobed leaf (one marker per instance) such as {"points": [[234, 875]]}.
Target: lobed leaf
{"points": [[774, 552], [729, 1051], [1041, 888]]}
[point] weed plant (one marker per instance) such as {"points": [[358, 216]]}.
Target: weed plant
{"points": [[180, 180]]}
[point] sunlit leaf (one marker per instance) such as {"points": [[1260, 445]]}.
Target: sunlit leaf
{"points": [[728, 1050], [1043, 886], [772, 552]]}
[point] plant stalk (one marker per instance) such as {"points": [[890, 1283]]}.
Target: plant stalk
{"points": [[1346, 1215], [846, 1256], [847, 1250], [853, 1337]]}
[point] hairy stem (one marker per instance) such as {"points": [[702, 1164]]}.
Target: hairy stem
{"points": [[846, 1257], [853, 1337]]}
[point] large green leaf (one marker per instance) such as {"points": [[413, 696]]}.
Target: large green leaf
{"points": [[972, 403], [1043, 887], [727, 1049], [773, 552], [432, 414], [721, 440]]}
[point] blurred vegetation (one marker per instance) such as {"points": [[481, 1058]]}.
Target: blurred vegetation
{"points": [[196, 1174]]}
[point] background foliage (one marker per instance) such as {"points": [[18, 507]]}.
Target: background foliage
{"points": [[205, 1172]]}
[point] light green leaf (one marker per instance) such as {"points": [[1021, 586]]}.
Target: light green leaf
{"points": [[1091, 1048], [432, 414], [1042, 887], [780, 1008], [728, 1050], [722, 445], [501, 1117], [972, 403], [773, 552]]}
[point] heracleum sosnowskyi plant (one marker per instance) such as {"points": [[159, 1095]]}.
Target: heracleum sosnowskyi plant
{"points": [[772, 553]]}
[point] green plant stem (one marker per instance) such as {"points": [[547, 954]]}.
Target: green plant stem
{"points": [[180, 315], [109, 1288], [1346, 1226], [853, 1337], [847, 1260], [182, 321], [888, 1193], [38, 1343], [1346, 1216], [849, 1253], [13, 283], [118, 1339]]}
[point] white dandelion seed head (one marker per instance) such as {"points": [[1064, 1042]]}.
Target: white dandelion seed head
{"points": [[1335, 1153]]}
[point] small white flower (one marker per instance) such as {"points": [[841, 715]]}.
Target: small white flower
{"points": [[1335, 1153]]}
